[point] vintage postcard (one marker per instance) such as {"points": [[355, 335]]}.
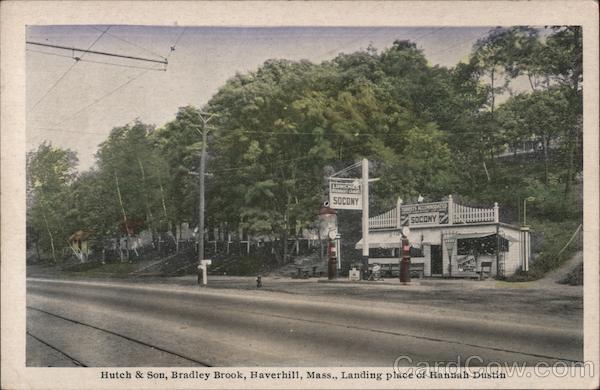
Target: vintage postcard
{"points": [[299, 195]]}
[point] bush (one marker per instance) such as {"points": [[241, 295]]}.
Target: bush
{"points": [[575, 277], [553, 237], [550, 202]]}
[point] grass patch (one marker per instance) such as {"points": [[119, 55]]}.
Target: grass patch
{"points": [[98, 269], [242, 266]]}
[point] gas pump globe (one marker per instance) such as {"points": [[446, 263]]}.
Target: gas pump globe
{"points": [[327, 219], [328, 228]]}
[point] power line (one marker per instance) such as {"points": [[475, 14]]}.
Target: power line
{"points": [[362, 37], [97, 62], [106, 63], [243, 131], [131, 43], [429, 33], [174, 45], [347, 169], [125, 66], [67, 71], [104, 53], [459, 43], [102, 97], [49, 54], [67, 131], [274, 166]]}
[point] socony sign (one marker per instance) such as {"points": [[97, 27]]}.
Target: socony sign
{"points": [[345, 194], [424, 219]]}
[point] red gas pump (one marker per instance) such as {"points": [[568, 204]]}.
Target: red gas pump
{"points": [[405, 261], [332, 262]]}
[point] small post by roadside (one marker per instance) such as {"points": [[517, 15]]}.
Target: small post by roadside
{"points": [[202, 271]]}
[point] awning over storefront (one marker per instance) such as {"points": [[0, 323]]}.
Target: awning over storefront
{"points": [[480, 235], [391, 239], [385, 240], [469, 235]]}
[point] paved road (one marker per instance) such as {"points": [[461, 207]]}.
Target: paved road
{"points": [[72, 323]]}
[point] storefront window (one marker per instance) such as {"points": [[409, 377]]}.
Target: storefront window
{"points": [[481, 245], [416, 252]]}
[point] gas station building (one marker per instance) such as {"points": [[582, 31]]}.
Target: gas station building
{"points": [[448, 240]]}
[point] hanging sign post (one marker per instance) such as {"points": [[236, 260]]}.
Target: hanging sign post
{"points": [[353, 194], [365, 214]]}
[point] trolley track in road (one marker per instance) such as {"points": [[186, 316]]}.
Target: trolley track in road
{"points": [[71, 358], [107, 331], [311, 324]]}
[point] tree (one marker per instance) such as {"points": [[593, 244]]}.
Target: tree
{"points": [[50, 171], [131, 172], [543, 115], [563, 55], [179, 143], [266, 150], [557, 60], [280, 126]]}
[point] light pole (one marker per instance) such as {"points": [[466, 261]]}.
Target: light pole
{"points": [[530, 199], [449, 242]]}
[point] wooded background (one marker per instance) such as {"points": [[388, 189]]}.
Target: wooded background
{"points": [[278, 132]]}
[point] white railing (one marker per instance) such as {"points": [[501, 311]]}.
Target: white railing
{"points": [[465, 214], [387, 220], [457, 214]]}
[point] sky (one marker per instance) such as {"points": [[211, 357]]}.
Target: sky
{"points": [[75, 104]]}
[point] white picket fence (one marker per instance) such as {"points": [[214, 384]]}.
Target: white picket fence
{"points": [[389, 219], [458, 214], [465, 214]]}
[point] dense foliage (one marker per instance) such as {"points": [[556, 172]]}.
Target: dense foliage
{"points": [[279, 131]]}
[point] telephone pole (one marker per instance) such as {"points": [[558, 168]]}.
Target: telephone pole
{"points": [[205, 118]]}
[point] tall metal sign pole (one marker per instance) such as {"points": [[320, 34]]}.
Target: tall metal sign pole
{"points": [[365, 214], [352, 194]]}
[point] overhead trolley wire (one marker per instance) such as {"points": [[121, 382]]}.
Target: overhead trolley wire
{"points": [[104, 53], [102, 97], [49, 54], [347, 169], [97, 62], [125, 66], [121, 85], [364, 36], [131, 43], [430, 32], [68, 131], [67, 71], [174, 45], [459, 43]]}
